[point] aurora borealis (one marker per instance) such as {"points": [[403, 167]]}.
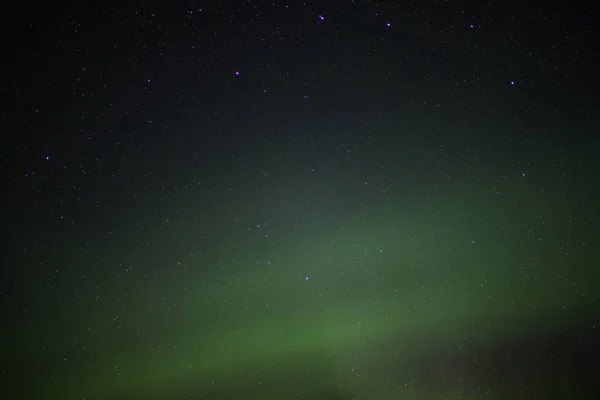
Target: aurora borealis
{"points": [[330, 201]]}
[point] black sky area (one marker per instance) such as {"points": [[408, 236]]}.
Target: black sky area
{"points": [[327, 200]]}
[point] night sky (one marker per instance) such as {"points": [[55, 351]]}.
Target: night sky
{"points": [[327, 200]]}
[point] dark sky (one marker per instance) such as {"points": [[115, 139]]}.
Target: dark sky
{"points": [[327, 200]]}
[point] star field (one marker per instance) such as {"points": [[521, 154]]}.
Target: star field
{"points": [[327, 200]]}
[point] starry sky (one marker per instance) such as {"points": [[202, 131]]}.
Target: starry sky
{"points": [[327, 200]]}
